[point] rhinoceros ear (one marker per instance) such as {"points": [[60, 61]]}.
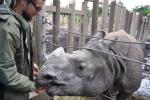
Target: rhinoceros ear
{"points": [[57, 52], [101, 34]]}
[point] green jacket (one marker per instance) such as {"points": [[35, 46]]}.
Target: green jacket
{"points": [[15, 56]]}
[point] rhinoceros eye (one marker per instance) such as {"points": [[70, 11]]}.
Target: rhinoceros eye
{"points": [[82, 65]]}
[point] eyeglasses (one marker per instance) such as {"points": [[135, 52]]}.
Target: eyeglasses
{"points": [[35, 6]]}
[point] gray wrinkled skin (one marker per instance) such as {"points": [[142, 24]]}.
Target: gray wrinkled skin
{"points": [[92, 73]]}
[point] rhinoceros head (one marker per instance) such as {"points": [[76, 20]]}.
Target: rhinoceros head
{"points": [[81, 73]]}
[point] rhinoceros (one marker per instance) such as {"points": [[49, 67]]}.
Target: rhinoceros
{"points": [[88, 72]]}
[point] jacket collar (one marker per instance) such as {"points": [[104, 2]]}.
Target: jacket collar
{"points": [[21, 20]]}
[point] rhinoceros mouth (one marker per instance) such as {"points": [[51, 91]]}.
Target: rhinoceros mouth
{"points": [[57, 83]]}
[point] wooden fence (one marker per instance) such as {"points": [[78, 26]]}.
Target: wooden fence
{"points": [[114, 17]]}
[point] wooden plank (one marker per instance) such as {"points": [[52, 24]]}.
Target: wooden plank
{"points": [[142, 29], [104, 14], [117, 17], [83, 25], [134, 23], [80, 12], [129, 20], [122, 18], [94, 17], [56, 22], [139, 25], [50, 8], [76, 98], [70, 41], [42, 97], [112, 16], [148, 26], [126, 21], [38, 29], [64, 10], [36, 39], [146, 30]]}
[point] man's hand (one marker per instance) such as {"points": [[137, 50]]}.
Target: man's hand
{"points": [[35, 70], [40, 90]]}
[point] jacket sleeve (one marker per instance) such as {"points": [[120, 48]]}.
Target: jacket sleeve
{"points": [[9, 41]]}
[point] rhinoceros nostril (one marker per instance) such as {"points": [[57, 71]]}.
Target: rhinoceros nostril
{"points": [[50, 77]]}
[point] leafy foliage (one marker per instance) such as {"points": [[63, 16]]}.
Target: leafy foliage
{"points": [[145, 10], [99, 11]]}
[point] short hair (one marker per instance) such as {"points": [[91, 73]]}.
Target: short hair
{"points": [[1, 2], [14, 3]]}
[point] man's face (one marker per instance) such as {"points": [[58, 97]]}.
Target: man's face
{"points": [[32, 9]]}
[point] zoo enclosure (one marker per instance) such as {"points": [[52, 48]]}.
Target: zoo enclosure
{"points": [[114, 17]]}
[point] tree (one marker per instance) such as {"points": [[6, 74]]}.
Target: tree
{"points": [[121, 3], [99, 12], [89, 14], [145, 10]]}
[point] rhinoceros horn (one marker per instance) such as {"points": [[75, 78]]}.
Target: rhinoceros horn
{"points": [[57, 52]]}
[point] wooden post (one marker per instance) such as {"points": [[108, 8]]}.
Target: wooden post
{"points": [[104, 14], [148, 27], [142, 29], [71, 26], [117, 17], [146, 30], [56, 22], [133, 30], [39, 31], [139, 25], [36, 39], [122, 18], [94, 17], [112, 15], [83, 25], [128, 21]]}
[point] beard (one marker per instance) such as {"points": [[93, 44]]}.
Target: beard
{"points": [[26, 16]]}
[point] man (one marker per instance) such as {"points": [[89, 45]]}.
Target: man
{"points": [[16, 55]]}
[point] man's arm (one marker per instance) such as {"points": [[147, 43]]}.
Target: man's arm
{"points": [[9, 76]]}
